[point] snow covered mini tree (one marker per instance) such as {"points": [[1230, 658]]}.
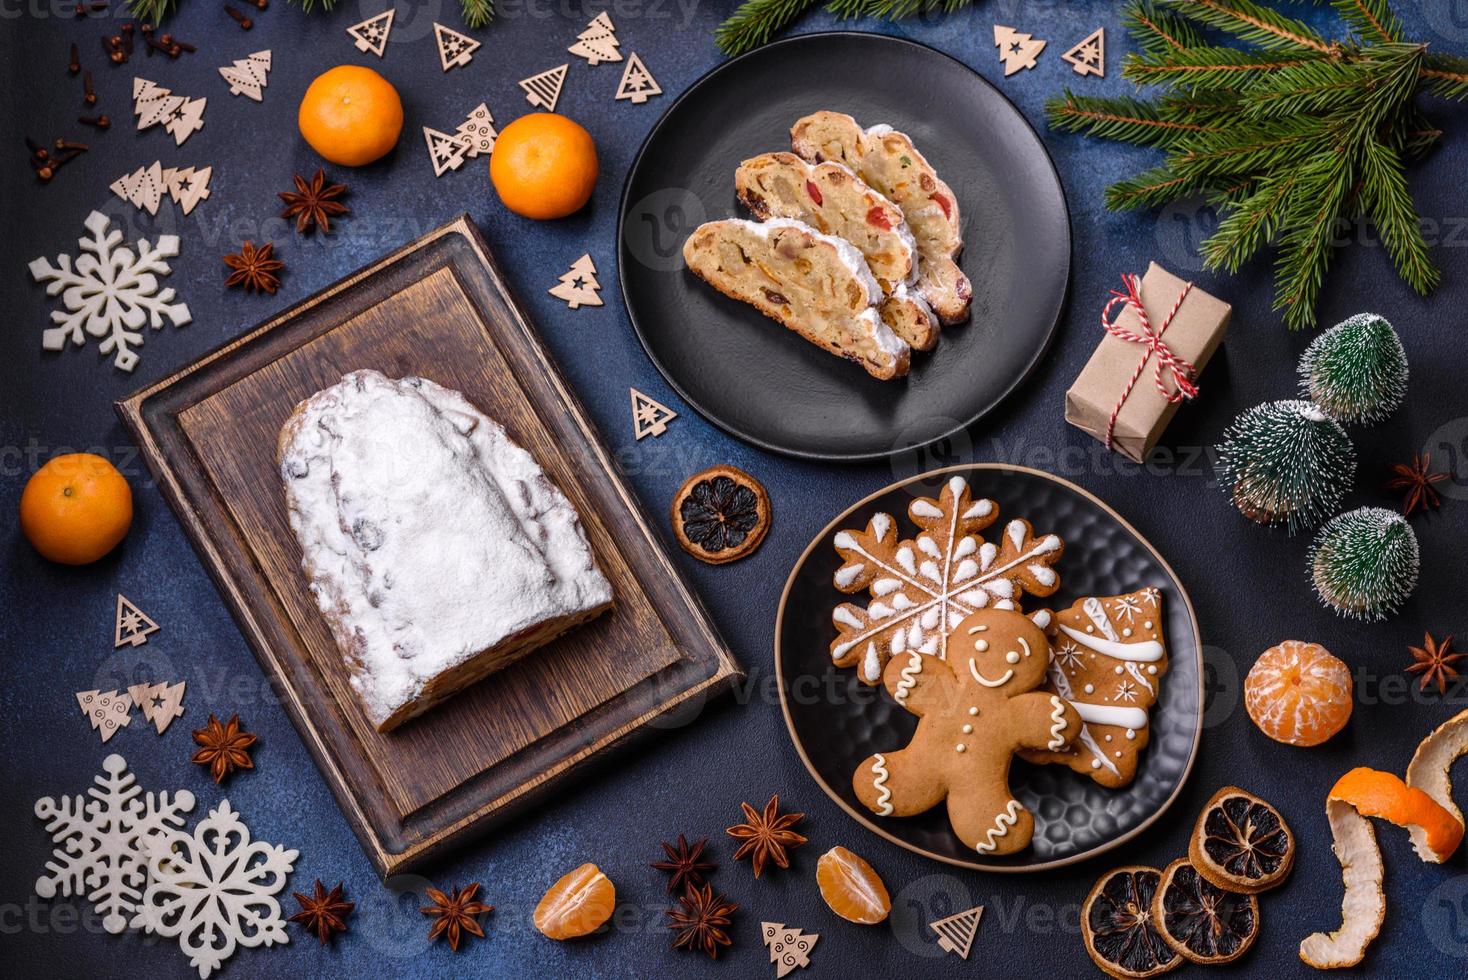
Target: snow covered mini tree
{"points": [[1286, 462], [1365, 563], [248, 76], [598, 42], [578, 286], [1356, 370]]}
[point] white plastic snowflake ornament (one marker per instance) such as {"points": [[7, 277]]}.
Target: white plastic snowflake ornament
{"points": [[214, 890], [101, 842], [923, 588], [109, 292]]}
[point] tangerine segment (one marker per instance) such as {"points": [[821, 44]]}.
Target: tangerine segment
{"points": [[351, 115], [1435, 832], [577, 905], [1298, 693], [851, 887], [543, 166], [76, 508]]}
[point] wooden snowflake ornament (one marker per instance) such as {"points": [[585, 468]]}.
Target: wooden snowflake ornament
{"points": [[1017, 49], [637, 83], [159, 703], [248, 76], [649, 417], [578, 286], [544, 90], [370, 35], [455, 50], [956, 932], [1089, 56], [107, 712], [131, 626], [109, 292], [101, 842], [598, 42], [922, 588]]}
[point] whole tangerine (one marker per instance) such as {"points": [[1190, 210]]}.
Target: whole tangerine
{"points": [[1298, 693], [76, 508], [543, 166], [351, 115]]}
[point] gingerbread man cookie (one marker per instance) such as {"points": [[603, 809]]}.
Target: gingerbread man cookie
{"points": [[978, 708]]}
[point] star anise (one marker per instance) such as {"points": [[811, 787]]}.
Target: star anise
{"points": [[314, 203], [323, 913], [685, 864], [1416, 482], [456, 914], [700, 919], [254, 268], [223, 747], [766, 836], [1434, 661]]}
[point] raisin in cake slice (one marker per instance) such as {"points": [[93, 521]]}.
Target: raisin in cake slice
{"points": [[437, 549], [835, 201], [814, 284], [887, 160]]}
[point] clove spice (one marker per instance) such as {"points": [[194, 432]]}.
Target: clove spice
{"points": [[239, 18], [101, 122]]}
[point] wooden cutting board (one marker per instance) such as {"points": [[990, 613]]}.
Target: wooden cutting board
{"points": [[439, 309]]}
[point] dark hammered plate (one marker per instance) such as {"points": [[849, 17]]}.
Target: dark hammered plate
{"points": [[836, 721], [763, 383]]}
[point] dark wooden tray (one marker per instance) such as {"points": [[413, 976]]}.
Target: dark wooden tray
{"points": [[437, 308]]}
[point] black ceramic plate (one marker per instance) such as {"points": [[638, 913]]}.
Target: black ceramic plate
{"points": [[763, 383], [836, 721]]}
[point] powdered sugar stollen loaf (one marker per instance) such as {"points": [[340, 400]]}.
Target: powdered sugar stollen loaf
{"points": [[437, 549]]}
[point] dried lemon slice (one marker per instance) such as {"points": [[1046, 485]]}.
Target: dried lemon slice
{"points": [[1241, 843], [1116, 922], [1200, 920]]}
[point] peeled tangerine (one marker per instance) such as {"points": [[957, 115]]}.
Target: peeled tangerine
{"points": [[852, 889], [577, 905], [1298, 693]]}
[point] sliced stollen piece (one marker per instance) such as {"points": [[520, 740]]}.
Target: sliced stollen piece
{"points": [[888, 161], [816, 285], [437, 549], [833, 200]]}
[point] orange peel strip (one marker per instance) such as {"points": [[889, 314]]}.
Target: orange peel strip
{"points": [[1433, 760], [1363, 909]]}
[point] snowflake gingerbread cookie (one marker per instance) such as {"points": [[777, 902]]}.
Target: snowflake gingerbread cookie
{"points": [[922, 588], [1108, 655], [101, 842]]}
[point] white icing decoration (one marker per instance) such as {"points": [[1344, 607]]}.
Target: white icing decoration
{"points": [[1003, 679], [1147, 625], [973, 710], [1057, 726], [881, 524], [1130, 734], [1006, 819], [1096, 612], [1090, 688], [1041, 618], [1127, 631], [908, 676], [1085, 738], [879, 783], [1147, 650], [872, 665], [1012, 657], [1116, 717], [1023, 645], [884, 587], [844, 616], [925, 508], [1096, 763], [981, 628], [1043, 574], [847, 574], [959, 747], [967, 729], [981, 645]]}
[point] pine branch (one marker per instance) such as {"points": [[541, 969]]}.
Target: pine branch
{"points": [[1248, 21], [1123, 119], [1321, 86], [1157, 31], [307, 6], [1259, 147], [1208, 69], [1446, 75], [1153, 188], [1253, 221], [756, 21], [892, 9], [477, 13], [1384, 183], [1371, 20], [1306, 246], [151, 11]]}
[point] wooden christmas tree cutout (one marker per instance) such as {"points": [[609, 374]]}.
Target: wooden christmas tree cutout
{"points": [[578, 287], [188, 186], [370, 35], [598, 42], [447, 152], [956, 932], [159, 703], [106, 712], [1016, 49], [133, 626], [248, 76], [649, 417], [637, 82], [455, 50], [544, 90], [155, 106], [143, 188], [789, 948], [477, 132], [1089, 57]]}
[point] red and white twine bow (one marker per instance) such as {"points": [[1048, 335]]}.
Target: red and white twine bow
{"points": [[1182, 371]]}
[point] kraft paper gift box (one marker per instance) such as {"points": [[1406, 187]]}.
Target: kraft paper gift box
{"points": [[1193, 334]]}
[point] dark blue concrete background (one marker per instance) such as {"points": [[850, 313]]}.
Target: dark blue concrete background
{"points": [[1249, 585]]}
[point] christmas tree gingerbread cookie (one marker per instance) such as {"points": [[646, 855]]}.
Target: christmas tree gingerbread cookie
{"points": [[979, 706], [1107, 659]]}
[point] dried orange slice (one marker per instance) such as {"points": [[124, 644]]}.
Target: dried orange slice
{"points": [[1241, 843], [1200, 920], [577, 905], [852, 889], [1298, 693], [1116, 922]]}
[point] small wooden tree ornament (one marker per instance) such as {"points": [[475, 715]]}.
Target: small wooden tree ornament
{"points": [[447, 152], [649, 417], [789, 948], [455, 50], [188, 186], [144, 187], [956, 932], [1089, 56], [477, 132], [159, 703], [598, 42], [1016, 49], [544, 90], [106, 712], [637, 83], [578, 286], [370, 36], [248, 76], [132, 626]]}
